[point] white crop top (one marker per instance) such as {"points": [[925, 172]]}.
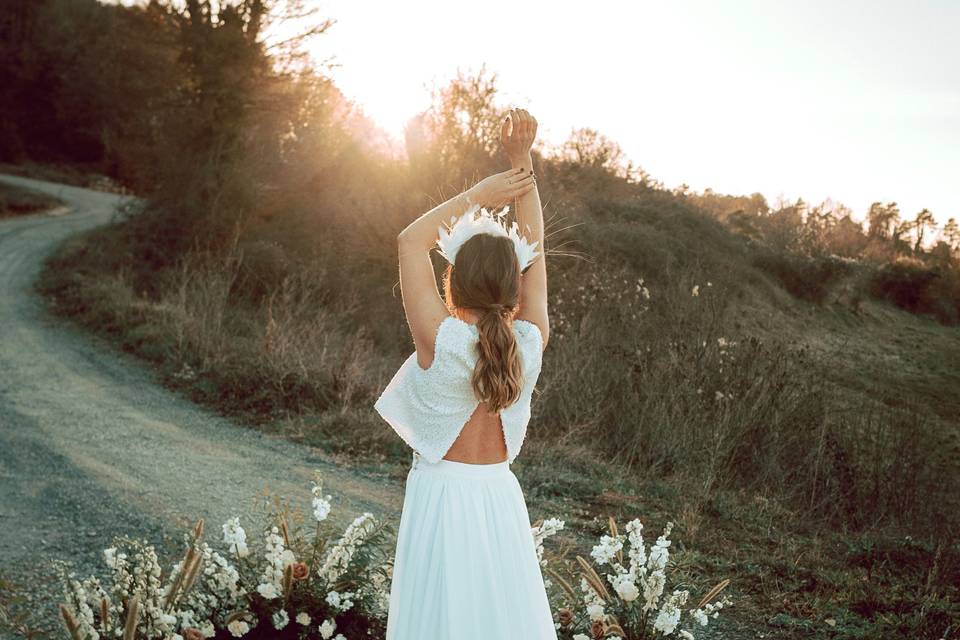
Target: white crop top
{"points": [[428, 407]]}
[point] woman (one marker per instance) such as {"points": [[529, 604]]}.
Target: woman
{"points": [[465, 565]]}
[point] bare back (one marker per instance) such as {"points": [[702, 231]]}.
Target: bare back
{"points": [[481, 439]]}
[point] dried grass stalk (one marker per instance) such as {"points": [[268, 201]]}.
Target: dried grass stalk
{"points": [[105, 612], [287, 581], [285, 531], [713, 593], [593, 579], [70, 622], [178, 581], [130, 628], [613, 533], [563, 583], [193, 573], [614, 627], [236, 615]]}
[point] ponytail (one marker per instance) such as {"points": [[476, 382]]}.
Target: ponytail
{"points": [[498, 375]]}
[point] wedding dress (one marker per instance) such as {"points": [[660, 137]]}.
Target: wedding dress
{"points": [[466, 565]]}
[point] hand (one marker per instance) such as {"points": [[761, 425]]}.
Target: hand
{"points": [[517, 133], [500, 188]]}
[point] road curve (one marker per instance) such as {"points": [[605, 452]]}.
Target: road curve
{"points": [[91, 446]]}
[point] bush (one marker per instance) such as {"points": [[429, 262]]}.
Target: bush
{"points": [[805, 278], [919, 289]]}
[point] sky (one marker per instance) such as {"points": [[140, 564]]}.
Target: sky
{"points": [[855, 101]]}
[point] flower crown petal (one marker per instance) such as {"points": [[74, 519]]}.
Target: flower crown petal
{"points": [[451, 239]]}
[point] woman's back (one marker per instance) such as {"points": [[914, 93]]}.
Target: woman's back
{"points": [[436, 411]]}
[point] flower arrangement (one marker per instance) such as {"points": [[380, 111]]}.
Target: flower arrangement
{"points": [[287, 584], [634, 606], [293, 584]]}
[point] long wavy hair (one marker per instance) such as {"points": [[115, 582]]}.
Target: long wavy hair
{"points": [[486, 279]]}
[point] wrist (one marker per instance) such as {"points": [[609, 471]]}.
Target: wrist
{"points": [[471, 197], [524, 160]]}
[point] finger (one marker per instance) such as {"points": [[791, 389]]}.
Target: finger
{"points": [[522, 187], [505, 128], [528, 126], [516, 193], [519, 177], [521, 124]]}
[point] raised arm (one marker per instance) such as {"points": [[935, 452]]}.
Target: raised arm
{"points": [[517, 140], [422, 303]]}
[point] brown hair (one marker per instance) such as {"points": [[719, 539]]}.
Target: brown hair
{"points": [[486, 279]]}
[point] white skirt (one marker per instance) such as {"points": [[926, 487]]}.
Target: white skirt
{"points": [[466, 566]]}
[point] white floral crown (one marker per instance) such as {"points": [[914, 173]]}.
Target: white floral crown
{"points": [[452, 238]]}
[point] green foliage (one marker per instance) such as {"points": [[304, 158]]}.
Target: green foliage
{"points": [[920, 289], [809, 279]]}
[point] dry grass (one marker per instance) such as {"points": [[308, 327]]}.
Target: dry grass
{"points": [[733, 412]]}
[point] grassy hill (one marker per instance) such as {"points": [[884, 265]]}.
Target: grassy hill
{"points": [[808, 451]]}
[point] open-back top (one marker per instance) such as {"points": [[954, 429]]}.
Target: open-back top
{"points": [[429, 407]]}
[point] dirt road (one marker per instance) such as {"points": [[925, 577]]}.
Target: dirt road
{"points": [[91, 446]]}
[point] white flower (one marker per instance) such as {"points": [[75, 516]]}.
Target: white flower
{"points": [[280, 619], [340, 636], [277, 559], [695, 291], [321, 503], [339, 557], [627, 590], [333, 599], [238, 627], [607, 549], [667, 620], [548, 528], [686, 635], [110, 555], [652, 589], [267, 590], [340, 601], [303, 618], [326, 629], [669, 615], [700, 616], [659, 553], [236, 537], [595, 611]]}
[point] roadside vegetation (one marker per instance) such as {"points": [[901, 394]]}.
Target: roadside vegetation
{"points": [[15, 201]]}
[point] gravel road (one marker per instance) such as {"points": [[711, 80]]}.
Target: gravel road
{"points": [[91, 446]]}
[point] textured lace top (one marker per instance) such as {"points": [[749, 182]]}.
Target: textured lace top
{"points": [[428, 407]]}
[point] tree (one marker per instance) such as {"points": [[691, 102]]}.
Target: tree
{"points": [[458, 137], [951, 234], [588, 147], [882, 219], [923, 220]]}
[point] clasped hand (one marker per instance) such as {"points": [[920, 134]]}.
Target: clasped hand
{"points": [[517, 133], [501, 188]]}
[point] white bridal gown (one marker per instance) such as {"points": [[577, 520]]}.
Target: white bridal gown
{"points": [[466, 565]]}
